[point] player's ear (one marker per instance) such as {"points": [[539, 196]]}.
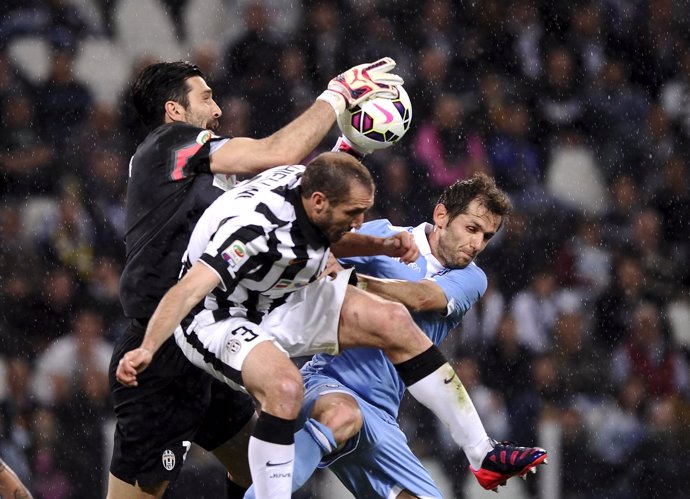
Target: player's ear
{"points": [[440, 216], [174, 111], [318, 201]]}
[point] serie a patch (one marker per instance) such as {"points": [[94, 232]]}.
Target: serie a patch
{"points": [[235, 254]]}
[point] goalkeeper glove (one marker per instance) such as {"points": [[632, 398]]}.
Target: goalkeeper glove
{"points": [[344, 145], [360, 83]]}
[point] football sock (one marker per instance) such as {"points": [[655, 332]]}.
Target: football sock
{"points": [[312, 442], [271, 456], [433, 383]]}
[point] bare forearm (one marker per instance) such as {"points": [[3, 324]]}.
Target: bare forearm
{"points": [[420, 296], [10, 485], [174, 307], [355, 244]]}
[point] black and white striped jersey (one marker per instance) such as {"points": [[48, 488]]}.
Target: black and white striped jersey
{"points": [[259, 240]]}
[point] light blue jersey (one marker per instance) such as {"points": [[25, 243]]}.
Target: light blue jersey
{"points": [[367, 371], [378, 462]]}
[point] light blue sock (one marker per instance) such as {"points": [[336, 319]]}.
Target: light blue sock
{"points": [[312, 442]]}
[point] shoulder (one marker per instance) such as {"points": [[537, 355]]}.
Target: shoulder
{"points": [[381, 227]]}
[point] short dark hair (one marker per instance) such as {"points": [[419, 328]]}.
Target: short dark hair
{"points": [[333, 174], [458, 196], [159, 83]]}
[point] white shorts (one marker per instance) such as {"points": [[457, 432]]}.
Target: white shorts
{"points": [[307, 323]]}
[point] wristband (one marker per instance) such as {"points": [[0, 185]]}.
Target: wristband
{"points": [[335, 99]]}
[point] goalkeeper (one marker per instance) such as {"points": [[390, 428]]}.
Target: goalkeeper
{"points": [[179, 169]]}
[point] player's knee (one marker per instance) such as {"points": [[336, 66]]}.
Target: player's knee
{"points": [[284, 398], [396, 325], [343, 417]]}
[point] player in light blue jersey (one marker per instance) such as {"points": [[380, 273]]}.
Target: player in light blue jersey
{"points": [[352, 400]]}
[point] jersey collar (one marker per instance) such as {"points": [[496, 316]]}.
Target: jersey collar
{"points": [[420, 234], [314, 236]]}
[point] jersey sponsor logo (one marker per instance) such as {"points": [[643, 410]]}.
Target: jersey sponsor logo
{"points": [[235, 254], [168, 459]]}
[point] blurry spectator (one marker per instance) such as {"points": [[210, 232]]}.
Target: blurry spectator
{"points": [[404, 196], [618, 113], [527, 33], [103, 289], [62, 102], [581, 364], [252, 64], [481, 322], [515, 161], [574, 176], [51, 478], [659, 472], [675, 95], [447, 148], [535, 309], [616, 432], [105, 181], [587, 38], [661, 270], [52, 310], [560, 103], [300, 89], [584, 261], [615, 305], [322, 40], [58, 21], [28, 165], [72, 378], [617, 221], [68, 237], [658, 141], [430, 80], [236, 117], [672, 199], [649, 353]]}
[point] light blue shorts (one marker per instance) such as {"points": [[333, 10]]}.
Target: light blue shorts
{"points": [[378, 462]]}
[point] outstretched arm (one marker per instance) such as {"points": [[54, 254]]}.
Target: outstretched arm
{"points": [[417, 296], [297, 139], [10, 485], [174, 307], [402, 245]]}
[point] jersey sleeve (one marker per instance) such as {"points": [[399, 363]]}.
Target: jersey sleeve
{"points": [[188, 150], [234, 252], [462, 287]]}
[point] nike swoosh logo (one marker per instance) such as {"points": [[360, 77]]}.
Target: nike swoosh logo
{"points": [[389, 116], [446, 381], [269, 464]]}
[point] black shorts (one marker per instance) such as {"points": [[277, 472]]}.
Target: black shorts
{"points": [[174, 404]]}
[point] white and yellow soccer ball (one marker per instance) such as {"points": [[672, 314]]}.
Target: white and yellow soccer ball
{"points": [[377, 123]]}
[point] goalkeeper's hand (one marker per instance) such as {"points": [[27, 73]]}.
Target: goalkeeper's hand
{"points": [[344, 145], [360, 83]]}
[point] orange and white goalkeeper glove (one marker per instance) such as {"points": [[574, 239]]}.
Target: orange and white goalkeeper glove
{"points": [[360, 83]]}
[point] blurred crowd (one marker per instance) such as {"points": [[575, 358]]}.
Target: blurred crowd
{"points": [[581, 111]]}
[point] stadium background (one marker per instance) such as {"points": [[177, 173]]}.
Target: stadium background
{"points": [[580, 109]]}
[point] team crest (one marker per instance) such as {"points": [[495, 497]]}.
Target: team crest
{"points": [[168, 459], [233, 346], [235, 254]]}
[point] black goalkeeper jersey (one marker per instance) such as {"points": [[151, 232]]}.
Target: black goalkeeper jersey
{"points": [[170, 186]]}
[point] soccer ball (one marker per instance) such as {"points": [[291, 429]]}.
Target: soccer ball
{"points": [[377, 123]]}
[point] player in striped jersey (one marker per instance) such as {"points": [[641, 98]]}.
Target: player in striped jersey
{"points": [[179, 169], [255, 257], [352, 400]]}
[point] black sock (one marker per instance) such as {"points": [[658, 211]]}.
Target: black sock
{"points": [[420, 366]]}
